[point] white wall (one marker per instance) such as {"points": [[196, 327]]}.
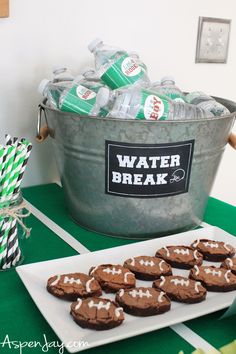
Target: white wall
{"points": [[41, 33]]}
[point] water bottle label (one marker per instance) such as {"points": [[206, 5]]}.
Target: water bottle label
{"points": [[125, 71], [79, 99], [148, 170], [84, 93], [153, 107], [130, 68]]}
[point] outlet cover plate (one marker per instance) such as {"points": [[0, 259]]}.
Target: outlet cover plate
{"points": [[212, 40]]}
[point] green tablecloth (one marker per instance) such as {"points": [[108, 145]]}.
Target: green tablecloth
{"points": [[20, 320]]}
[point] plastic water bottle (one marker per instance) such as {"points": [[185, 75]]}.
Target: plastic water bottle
{"points": [[61, 73], [115, 67], [72, 97], [52, 91], [207, 102], [139, 103], [167, 87]]}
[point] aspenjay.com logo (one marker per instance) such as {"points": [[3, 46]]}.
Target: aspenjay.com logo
{"points": [[18, 346]]}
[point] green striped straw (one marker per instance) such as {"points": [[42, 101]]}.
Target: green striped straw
{"points": [[7, 169], [16, 169], [23, 167]]}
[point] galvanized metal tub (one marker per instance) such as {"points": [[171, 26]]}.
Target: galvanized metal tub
{"points": [[81, 145]]}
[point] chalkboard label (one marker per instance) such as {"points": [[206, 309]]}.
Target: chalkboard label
{"points": [[148, 170]]}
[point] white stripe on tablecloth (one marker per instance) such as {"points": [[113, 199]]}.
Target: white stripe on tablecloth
{"points": [[193, 338], [59, 231], [181, 329]]}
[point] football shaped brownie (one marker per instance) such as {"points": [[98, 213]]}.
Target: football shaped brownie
{"points": [[181, 289], [215, 251], [97, 313], [113, 277], [73, 285], [143, 301], [213, 278], [182, 257], [148, 268]]}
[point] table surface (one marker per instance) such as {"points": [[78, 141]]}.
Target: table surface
{"points": [[20, 319]]}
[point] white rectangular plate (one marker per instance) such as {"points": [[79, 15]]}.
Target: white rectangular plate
{"points": [[75, 338]]}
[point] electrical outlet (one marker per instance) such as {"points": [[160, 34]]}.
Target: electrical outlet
{"points": [[213, 40]]}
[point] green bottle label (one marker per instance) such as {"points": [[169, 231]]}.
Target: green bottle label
{"points": [[125, 71], [153, 107], [80, 100]]}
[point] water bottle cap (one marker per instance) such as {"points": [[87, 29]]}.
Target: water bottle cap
{"points": [[88, 72], [43, 84], [78, 78], [133, 55], [103, 96], [92, 45], [167, 78], [58, 69], [156, 83]]}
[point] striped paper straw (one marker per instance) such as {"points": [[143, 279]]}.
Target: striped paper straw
{"points": [[16, 169], [3, 227], [12, 245], [16, 252], [3, 250], [8, 139], [3, 159], [2, 151], [17, 256], [23, 167], [7, 169]]}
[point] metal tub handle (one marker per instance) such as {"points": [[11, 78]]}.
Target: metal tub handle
{"points": [[232, 140], [42, 132]]}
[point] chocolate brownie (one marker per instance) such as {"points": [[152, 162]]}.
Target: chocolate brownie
{"points": [[148, 268], [215, 251], [73, 285], [230, 263], [143, 301], [97, 313], [214, 278], [113, 277], [182, 257], [181, 289]]}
